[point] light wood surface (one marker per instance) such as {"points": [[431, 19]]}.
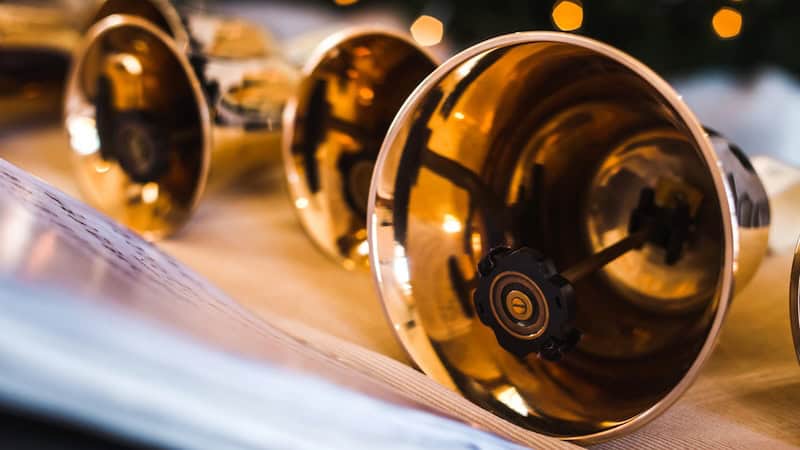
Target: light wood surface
{"points": [[248, 242]]}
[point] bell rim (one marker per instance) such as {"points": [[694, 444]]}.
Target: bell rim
{"points": [[170, 14], [794, 300], [427, 359]]}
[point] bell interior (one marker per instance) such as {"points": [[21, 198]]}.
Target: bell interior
{"points": [[137, 128], [345, 104], [547, 145]]}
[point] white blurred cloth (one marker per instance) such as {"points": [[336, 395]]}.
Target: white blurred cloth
{"points": [[760, 113]]}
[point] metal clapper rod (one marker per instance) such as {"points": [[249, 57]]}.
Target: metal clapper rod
{"points": [[599, 260]]}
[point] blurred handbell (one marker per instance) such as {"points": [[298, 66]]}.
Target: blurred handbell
{"points": [[36, 41], [556, 236], [150, 122]]}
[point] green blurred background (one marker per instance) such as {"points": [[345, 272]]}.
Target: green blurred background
{"points": [[672, 36]]}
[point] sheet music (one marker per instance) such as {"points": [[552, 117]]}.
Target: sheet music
{"points": [[89, 364], [56, 242]]}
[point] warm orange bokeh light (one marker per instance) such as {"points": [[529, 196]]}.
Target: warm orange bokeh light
{"points": [[727, 23], [345, 2], [427, 31], [568, 15]]}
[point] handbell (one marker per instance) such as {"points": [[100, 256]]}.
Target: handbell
{"points": [[554, 234], [140, 109], [150, 123], [37, 41], [35, 45]]}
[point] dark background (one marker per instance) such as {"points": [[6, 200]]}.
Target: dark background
{"points": [[674, 37], [745, 87]]}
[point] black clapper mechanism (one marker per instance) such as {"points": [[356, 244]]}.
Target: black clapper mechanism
{"points": [[531, 306]]}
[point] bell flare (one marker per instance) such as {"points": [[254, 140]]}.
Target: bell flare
{"points": [[555, 235], [350, 88], [138, 125]]}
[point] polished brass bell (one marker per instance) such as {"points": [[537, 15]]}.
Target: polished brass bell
{"points": [[37, 42], [148, 121], [554, 234]]}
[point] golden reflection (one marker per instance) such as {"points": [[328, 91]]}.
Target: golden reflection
{"points": [[301, 203], [427, 31], [568, 15], [362, 51], [477, 246], [101, 166], [451, 224], [363, 248], [366, 95], [131, 64], [140, 46], [511, 398], [400, 266], [83, 135], [150, 192], [727, 23], [465, 68]]}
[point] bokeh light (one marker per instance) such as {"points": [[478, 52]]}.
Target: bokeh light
{"points": [[427, 31], [568, 15], [451, 224], [727, 22], [150, 192]]}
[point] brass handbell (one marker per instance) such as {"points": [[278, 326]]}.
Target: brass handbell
{"points": [[37, 40], [554, 234], [150, 123]]}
